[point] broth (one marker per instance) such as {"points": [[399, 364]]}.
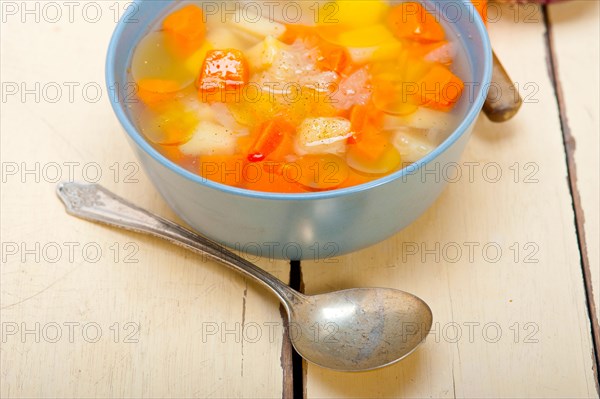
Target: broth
{"points": [[269, 105]]}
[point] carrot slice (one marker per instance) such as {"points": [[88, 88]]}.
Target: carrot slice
{"points": [[171, 152], [223, 72], [158, 85], [439, 89], [373, 154], [169, 124], [186, 29], [154, 91], [354, 179], [270, 136], [269, 178], [234, 170], [371, 147], [322, 171], [224, 169], [411, 21], [394, 82]]}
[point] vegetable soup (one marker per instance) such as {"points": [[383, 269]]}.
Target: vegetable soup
{"points": [[310, 97]]}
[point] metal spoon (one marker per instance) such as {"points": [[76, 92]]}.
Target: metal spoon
{"points": [[350, 330]]}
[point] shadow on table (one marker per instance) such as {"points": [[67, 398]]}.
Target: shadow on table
{"points": [[389, 382]]}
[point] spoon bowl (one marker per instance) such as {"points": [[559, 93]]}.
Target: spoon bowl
{"points": [[350, 330], [359, 329]]}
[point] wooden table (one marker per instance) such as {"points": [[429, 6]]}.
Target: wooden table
{"points": [[507, 257]]}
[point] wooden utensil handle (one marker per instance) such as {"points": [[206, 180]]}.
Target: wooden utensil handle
{"points": [[503, 100]]}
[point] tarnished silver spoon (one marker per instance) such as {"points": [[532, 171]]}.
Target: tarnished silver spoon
{"points": [[350, 330]]}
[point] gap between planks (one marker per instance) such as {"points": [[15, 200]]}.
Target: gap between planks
{"points": [[294, 367], [569, 146], [294, 384]]}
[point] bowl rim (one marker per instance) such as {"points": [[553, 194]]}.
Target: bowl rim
{"points": [[470, 117]]}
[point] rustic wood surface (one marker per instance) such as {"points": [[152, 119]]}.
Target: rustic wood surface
{"points": [[509, 263], [579, 103], [534, 296], [169, 322]]}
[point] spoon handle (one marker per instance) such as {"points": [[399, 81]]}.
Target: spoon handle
{"points": [[503, 100], [94, 202]]}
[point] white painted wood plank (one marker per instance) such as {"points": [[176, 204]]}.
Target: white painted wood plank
{"points": [[575, 39], [535, 298], [146, 319]]}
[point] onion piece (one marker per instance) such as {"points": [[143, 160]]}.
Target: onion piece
{"points": [[322, 135], [412, 144], [210, 139]]}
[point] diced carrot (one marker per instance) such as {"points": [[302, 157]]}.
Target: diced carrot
{"points": [[442, 52], [285, 148], [370, 147], [295, 32], [358, 117], [365, 116], [186, 28], [270, 136], [481, 7], [187, 22], [358, 120], [223, 74], [439, 89], [332, 58], [411, 21]]}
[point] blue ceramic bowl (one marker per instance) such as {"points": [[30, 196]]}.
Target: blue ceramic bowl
{"points": [[305, 225]]}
